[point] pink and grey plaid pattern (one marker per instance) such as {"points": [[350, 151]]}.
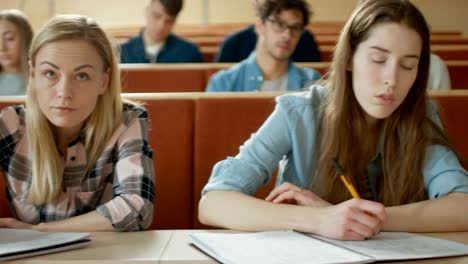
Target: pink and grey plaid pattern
{"points": [[120, 185]]}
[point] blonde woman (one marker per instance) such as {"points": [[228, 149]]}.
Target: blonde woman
{"points": [[15, 37], [373, 116], [76, 158]]}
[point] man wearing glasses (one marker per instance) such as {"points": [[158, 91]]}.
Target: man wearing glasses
{"points": [[239, 45], [269, 67]]}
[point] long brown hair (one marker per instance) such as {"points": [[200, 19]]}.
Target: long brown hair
{"points": [[406, 133]]}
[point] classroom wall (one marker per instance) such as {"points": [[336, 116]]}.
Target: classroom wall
{"points": [[446, 14]]}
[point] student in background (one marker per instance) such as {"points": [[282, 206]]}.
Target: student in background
{"points": [[156, 43], [269, 67], [374, 117], [77, 158], [238, 46], [439, 77], [15, 37]]}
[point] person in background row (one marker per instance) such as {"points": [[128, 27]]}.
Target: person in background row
{"points": [[439, 77], [372, 116], [15, 37], [77, 157], [156, 43], [269, 67], [238, 46]]}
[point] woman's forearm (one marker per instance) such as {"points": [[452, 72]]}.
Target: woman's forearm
{"points": [[235, 210], [89, 222], [447, 213]]}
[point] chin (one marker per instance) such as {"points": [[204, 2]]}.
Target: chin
{"points": [[381, 114]]}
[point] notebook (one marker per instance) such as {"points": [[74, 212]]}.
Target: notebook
{"points": [[20, 243], [293, 247]]}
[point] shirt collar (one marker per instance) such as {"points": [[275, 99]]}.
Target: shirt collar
{"points": [[80, 138], [255, 73]]}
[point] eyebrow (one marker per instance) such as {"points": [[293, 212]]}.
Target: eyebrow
{"points": [[76, 69], [387, 51], [8, 32]]}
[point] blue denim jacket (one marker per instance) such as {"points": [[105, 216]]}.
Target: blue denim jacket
{"points": [[247, 77], [290, 131], [175, 50]]}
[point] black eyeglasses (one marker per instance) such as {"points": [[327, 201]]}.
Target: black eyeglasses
{"points": [[279, 26]]}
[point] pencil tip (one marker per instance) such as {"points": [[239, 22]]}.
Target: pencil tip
{"points": [[338, 168]]}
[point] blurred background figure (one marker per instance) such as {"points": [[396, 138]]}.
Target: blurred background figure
{"points": [[238, 46], [279, 26], [156, 43], [15, 37], [439, 77]]}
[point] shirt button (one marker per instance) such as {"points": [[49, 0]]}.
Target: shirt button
{"points": [[73, 158]]}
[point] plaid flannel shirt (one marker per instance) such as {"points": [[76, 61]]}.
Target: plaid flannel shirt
{"points": [[120, 185]]}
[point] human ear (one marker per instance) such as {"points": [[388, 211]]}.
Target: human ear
{"points": [[259, 26]]}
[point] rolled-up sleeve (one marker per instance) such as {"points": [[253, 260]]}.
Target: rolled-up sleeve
{"points": [[133, 184], [442, 171], [257, 158]]}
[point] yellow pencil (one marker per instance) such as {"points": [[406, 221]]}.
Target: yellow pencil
{"points": [[347, 184], [350, 187]]}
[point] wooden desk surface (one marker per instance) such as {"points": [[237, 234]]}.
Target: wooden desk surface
{"points": [[112, 247], [172, 247]]}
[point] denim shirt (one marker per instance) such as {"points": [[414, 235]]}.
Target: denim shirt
{"points": [[247, 77], [290, 131], [175, 50]]}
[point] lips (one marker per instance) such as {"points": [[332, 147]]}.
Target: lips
{"points": [[284, 46], [385, 98], [63, 109]]}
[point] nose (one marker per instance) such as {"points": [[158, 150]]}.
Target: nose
{"points": [[64, 89], [391, 75], [287, 33]]}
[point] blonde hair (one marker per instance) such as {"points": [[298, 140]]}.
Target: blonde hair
{"points": [[47, 168], [347, 137], [25, 31]]}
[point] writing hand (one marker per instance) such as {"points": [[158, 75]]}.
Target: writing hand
{"points": [[355, 219]]}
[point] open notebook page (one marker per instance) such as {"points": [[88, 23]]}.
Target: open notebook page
{"points": [[273, 247], [402, 246]]}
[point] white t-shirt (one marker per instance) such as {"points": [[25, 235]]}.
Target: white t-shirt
{"points": [[280, 84], [153, 50]]}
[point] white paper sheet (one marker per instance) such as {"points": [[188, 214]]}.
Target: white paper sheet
{"points": [[273, 247]]}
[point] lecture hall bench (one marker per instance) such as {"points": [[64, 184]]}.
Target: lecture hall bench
{"points": [[190, 132]]}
